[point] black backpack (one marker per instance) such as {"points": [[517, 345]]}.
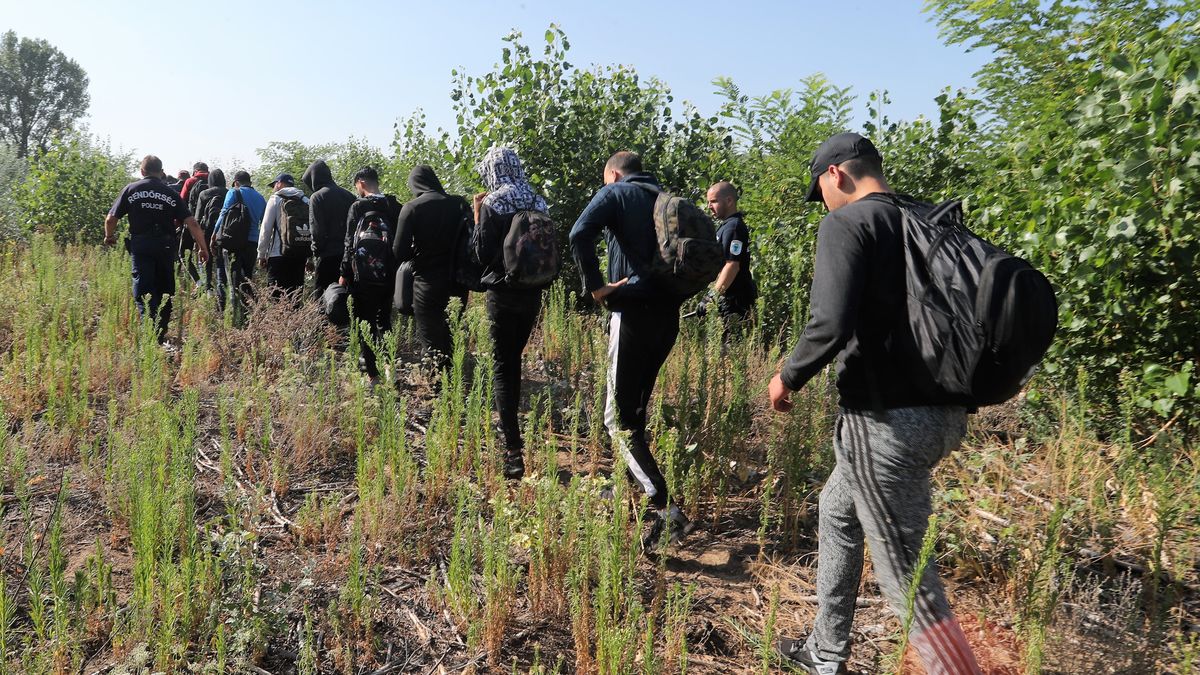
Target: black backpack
{"points": [[403, 295], [333, 304], [980, 318], [235, 229], [372, 258], [530, 251], [295, 237], [467, 273], [193, 199]]}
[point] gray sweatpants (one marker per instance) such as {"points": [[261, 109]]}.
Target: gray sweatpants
{"points": [[879, 491]]}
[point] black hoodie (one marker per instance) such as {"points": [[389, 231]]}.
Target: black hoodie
{"points": [[327, 208], [428, 227], [210, 201]]}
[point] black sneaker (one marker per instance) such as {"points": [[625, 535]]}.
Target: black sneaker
{"points": [[795, 653], [672, 517], [514, 465]]}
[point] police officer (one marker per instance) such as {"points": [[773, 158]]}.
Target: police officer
{"points": [[153, 209], [734, 287]]}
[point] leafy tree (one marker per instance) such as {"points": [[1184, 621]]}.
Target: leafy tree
{"points": [[42, 93], [293, 157], [12, 175], [70, 186]]}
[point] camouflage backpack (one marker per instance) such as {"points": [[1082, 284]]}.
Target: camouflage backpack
{"points": [[689, 257], [531, 258]]}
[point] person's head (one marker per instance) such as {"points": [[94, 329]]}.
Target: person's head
{"points": [[722, 199], [620, 165], [845, 168], [184, 174], [199, 167], [241, 178], [366, 181], [499, 166], [151, 167], [283, 180]]}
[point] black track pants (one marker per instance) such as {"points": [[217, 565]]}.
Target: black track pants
{"points": [[513, 315]]}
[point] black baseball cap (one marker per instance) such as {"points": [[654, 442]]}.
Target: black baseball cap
{"points": [[285, 177], [837, 149]]}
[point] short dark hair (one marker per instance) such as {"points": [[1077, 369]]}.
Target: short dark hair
{"points": [[625, 162], [861, 167], [199, 166], [724, 189], [367, 174], [242, 178], [151, 165]]}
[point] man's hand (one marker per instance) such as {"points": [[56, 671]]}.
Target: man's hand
{"points": [[203, 254], [781, 396], [606, 290], [262, 263], [341, 281], [308, 265], [110, 240]]}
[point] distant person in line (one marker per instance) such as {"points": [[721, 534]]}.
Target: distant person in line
{"points": [[208, 209], [328, 206], [368, 263], [889, 435], [735, 288], [239, 256], [190, 192], [643, 326], [152, 208], [512, 312], [425, 234], [285, 269]]}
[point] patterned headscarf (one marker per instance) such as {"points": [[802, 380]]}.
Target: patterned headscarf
{"points": [[508, 189]]}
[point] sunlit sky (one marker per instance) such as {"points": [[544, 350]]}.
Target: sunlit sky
{"points": [[214, 81]]}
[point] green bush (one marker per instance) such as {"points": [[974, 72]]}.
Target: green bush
{"points": [[70, 187]]}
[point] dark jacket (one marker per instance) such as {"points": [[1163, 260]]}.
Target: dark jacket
{"points": [[858, 310], [328, 205], [487, 244], [385, 204], [625, 213], [428, 227], [208, 203]]}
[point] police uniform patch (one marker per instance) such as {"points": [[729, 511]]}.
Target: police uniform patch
{"points": [[735, 247]]}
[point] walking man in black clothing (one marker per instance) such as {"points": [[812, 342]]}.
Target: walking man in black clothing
{"points": [[370, 270], [328, 205], [513, 312], [643, 326], [153, 208], [425, 234], [734, 287], [208, 209], [889, 434]]}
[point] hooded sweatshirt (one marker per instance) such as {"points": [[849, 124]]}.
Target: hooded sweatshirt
{"points": [[269, 241], [327, 209], [428, 227], [208, 204]]}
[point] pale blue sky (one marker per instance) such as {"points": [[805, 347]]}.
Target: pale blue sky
{"points": [[192, 80]]}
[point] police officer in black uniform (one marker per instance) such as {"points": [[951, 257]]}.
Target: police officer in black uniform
{"points": [[153, 209], [734, 287]]}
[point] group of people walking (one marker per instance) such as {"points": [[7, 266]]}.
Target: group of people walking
{"points": [[889, 434]]}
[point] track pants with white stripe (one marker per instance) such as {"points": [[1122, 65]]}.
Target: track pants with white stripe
{"points": [[639, 341], [879, 491]]}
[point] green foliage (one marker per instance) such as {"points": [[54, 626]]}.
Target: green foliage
{"points": [[42, 93], [70, 187], [12, 174], [293, 157]]}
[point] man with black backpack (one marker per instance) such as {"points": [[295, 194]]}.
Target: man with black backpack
{"points": [[190, 192], [208, 209], [644, 300], [368, 264], [237, 234], [285, 245], [426, 231], [328, 205], [890, 432], [516, 243]]}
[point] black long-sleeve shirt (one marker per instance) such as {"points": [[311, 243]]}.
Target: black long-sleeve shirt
{"points": [[859, 308]]}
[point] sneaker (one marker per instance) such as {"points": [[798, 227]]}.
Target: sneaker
{"points": [[514, 465], [795, 653], [671, 517]]}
